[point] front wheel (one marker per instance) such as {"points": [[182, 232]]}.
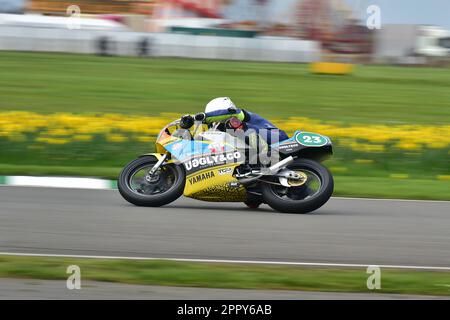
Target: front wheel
{"points": [[304, 196], [164, 186]]}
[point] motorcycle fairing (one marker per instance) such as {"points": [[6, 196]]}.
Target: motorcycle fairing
{"points": [[210, 176], [215, 184], [185, 149], [158, 156], [294, 145], [209, 167]]}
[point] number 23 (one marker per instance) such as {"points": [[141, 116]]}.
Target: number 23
{"points": [[309, 139]]}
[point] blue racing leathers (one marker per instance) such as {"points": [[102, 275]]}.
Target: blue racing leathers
{"points": [[263, 127]]}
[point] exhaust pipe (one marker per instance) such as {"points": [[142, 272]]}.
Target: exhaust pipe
{"points": [[277, 166], [271, 170]]}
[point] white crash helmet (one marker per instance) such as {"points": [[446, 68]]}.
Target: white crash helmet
{"points": [[223, 103]]}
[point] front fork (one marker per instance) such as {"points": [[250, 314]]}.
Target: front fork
{"points": [[158, 164]]}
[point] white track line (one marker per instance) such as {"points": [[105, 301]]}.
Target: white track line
{"points": [[287, 263], [54, 187], [58, 182]]}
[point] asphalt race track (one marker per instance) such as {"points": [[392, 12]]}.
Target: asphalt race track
{"points": [[100, 222]]}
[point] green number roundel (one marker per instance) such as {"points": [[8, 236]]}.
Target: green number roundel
{"points": [[310, 139]]}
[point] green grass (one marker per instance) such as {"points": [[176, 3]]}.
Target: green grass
{"points": [[43, 82], [238, 276], [388, 188]]}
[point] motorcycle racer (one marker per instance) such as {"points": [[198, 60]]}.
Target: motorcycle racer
{"points": [[222, 109]]}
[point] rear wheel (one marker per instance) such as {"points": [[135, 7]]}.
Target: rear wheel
{"points": [[163, 187], [303, 196]]}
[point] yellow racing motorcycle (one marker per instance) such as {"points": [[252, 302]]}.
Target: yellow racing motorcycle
{"points": [[212, 164]]}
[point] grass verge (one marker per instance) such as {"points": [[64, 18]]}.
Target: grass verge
{"points": [[388, 188], [237, 276]]}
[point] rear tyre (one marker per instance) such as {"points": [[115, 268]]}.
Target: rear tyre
{"points": [[308, 197], [165, 186]]}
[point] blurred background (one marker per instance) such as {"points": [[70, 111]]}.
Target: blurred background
{"points": [[412, 32], [86, 85]]}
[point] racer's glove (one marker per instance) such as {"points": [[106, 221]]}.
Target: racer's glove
{"points": [[232, 110], [187, 121], [223, 115], [200, 117]]}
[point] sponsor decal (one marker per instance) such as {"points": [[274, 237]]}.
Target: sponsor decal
{"points": [[201, 177], [211, 160], [212, 133], [225, 171], [216, 147], [288, 147]]}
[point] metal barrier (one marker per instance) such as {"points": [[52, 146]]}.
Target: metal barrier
{"points": [[124, 43]]}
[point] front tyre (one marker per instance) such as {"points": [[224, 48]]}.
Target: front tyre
{"points": [[165, 186], [303, 197]]}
